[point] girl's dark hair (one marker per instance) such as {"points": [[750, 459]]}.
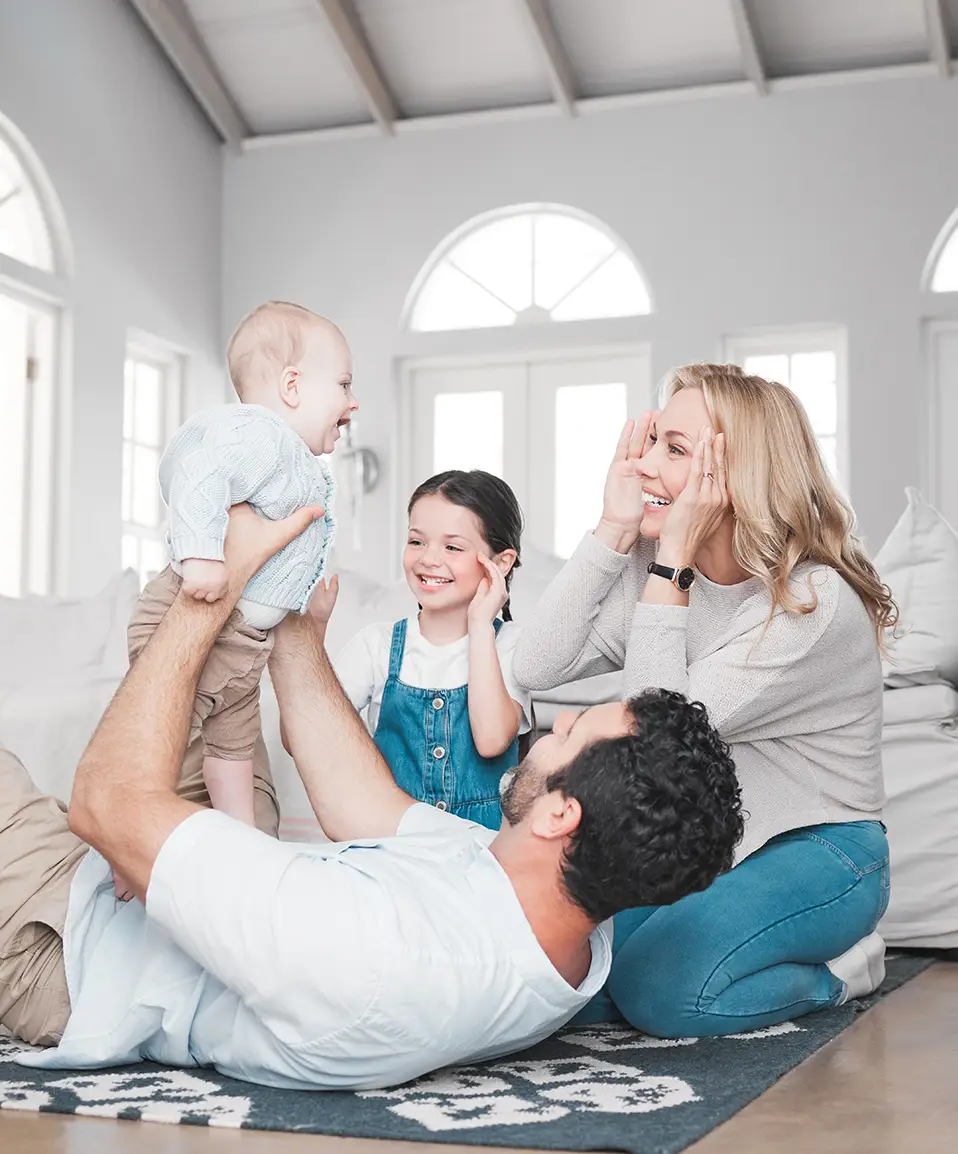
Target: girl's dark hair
{"points": [[493, 503]]}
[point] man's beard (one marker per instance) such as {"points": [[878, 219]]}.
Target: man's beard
{"points": [[524, 786]]}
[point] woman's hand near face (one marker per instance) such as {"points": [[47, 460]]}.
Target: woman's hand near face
{"points": [[622, 508], [698, 510]]}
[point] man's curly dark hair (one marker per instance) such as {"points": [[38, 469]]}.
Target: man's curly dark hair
{"points": [[661, 809]]}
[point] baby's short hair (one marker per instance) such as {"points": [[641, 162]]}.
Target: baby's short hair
{"points": [[266, 341]]}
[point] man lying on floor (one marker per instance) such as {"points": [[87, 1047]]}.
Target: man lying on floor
{"points": [[414, 941]]}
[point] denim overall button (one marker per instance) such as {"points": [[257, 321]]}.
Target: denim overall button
{"points": [[438, 752], [440, 805], [437, 703]]}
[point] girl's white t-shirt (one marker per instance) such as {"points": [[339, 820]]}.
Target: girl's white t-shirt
{"points": [[362, 666]]}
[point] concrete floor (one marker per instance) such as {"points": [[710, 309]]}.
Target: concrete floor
{"points": [[887, 1085]]}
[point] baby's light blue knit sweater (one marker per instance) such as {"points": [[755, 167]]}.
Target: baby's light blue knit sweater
{"points": [[236, 453]]}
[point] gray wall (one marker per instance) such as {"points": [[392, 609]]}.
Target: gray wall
{"points": [[138, 171], [807, 207]]}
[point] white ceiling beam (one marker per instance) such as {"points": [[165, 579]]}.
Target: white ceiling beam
{"points": [[752, 62], [553, 53], [177, 36], [596, 105], [344, 24], [938, 47]]}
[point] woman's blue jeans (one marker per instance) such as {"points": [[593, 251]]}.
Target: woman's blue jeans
{"points": [[750, 950]]}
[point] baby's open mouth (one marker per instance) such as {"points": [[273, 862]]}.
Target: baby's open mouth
{"points": [[424, 580]]}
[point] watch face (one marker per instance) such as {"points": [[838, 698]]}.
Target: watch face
{"points": [[684, 579]]}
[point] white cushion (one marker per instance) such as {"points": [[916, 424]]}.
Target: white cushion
{"points": [[920, 704], [48, 725], [56, 638], [919, 561]]}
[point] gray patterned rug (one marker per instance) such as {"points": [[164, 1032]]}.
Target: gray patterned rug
{"points": [[593, 1088]]}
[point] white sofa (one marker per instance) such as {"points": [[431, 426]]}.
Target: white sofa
{"points": [[62, 660]]}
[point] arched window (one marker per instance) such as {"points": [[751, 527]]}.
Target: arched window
{"points": [[527, 264], [24, 233], [940, 274], [34, 253]]}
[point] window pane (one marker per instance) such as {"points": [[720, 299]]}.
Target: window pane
{"points": [[771, 367], [153, 557], [146, 490], [532, 266], [14, 319], [129, 380], [450, 300], [614, 290], [23, 230], [589, 419], [566, 252], [147, 411], [945, 278], [126, 500], [41, 456], [814, 377], [468, 432], [829, 448], [499, 257], [130, 552]]}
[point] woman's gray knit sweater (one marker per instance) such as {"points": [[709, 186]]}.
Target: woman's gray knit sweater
{"points": [[799, 699]]}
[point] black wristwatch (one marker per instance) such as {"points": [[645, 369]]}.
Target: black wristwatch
{"points": [[683, 579]]}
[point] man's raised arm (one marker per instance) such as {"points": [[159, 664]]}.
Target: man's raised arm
{"points": [[124, 802], [349, 785]]}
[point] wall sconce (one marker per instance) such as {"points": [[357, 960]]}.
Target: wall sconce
{"points": [[361, 472]]}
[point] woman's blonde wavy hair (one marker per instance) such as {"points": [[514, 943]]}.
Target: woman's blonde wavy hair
{"points": [[786, 506]]}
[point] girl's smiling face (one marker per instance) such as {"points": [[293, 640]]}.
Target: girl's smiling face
{"points": [[441, 558], [667, 460]]}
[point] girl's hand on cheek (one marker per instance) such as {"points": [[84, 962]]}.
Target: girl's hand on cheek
{"points": [[490, 597]]}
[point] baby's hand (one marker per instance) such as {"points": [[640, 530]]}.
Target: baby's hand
{"points": [[205, 580], [323, 601]]}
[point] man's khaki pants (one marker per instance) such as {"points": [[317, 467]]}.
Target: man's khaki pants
{"points": [[38, 858]]}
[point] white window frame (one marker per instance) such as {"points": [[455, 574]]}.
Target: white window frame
{"points": [[47, 291], [787, 342], [143, 349], [533, 491], [475, 224], [39, 526]]}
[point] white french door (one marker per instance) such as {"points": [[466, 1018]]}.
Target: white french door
{"points": [[27, 334], [941, 482], [546, 424]]}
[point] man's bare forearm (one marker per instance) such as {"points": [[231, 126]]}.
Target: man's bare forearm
{"points": [[123, 801], [349, 785]]}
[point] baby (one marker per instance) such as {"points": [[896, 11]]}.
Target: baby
{"points": [[292, 372]]}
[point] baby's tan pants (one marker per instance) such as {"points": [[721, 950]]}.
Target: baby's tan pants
{"points": [[226, 707]]}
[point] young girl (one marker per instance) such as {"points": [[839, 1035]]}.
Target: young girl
{"points": [[442, 703]]}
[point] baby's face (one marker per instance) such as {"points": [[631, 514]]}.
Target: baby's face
{"points": [[326, 400]]}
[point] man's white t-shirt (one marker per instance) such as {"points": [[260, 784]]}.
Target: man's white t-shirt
{"points": [[362, 666], [351, 965]]}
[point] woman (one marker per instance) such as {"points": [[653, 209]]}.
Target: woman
{"points": [[724, 566]]}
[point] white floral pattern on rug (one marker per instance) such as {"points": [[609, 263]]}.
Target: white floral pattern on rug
{"points": [[511, 1092], [154, 1096], [499, 1094]]}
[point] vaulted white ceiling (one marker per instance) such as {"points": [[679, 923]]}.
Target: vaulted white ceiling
{"points": [[263, 69]]}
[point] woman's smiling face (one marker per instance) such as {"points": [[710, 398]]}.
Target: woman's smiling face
{"points": [[667, 459]]}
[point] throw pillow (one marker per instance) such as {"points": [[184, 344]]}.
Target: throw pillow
{"points": [[919, 561]]}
